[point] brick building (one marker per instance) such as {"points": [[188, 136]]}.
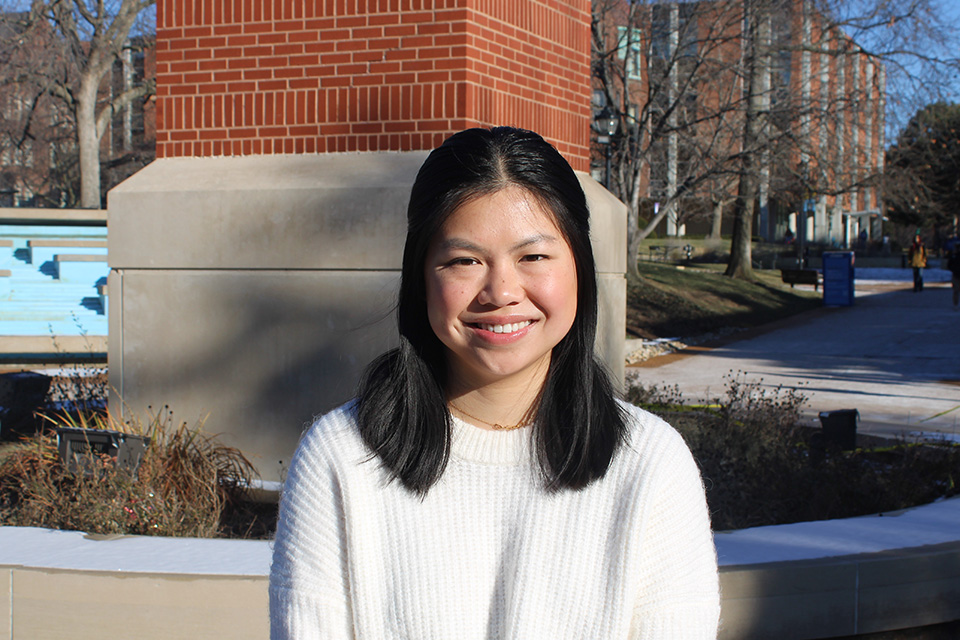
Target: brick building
{"points": [[682, 66]]}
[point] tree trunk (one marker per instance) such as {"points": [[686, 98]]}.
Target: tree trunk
{"points": [[741, 250], [633, 248], [634, 235], [717, 220], [757, 65], [88, 143]]}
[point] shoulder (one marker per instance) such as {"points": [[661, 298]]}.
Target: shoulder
{"points": [[332, 438], [653, 448], [645, 429], [656, 461], [337, 423]]}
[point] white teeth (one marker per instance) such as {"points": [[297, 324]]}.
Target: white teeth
{"points": [[505, 328]]}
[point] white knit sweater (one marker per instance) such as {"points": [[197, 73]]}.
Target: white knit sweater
{"points": [[488, 553]]}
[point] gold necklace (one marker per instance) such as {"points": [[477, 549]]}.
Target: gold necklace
{"points": [[495, 425]]}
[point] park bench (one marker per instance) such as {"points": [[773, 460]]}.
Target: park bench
{"points": [[801, 276]]}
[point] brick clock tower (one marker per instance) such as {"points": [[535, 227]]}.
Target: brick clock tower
{"points": [[251, 77], [254, 265]]}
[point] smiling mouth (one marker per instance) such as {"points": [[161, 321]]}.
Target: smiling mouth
{"points": [[503, 328]]}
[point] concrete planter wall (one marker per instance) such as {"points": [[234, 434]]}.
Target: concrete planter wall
{"points": [[66, 584]]}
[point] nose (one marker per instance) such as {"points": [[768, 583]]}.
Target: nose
{"points": [[501, 287]]}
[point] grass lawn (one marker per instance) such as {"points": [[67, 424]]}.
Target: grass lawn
{"points": [[680, 301]]}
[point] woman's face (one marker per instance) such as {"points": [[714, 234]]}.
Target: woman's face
{"points": [[501, 288]]}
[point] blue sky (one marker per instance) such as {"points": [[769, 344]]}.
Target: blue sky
{"points": [[912, 81]]}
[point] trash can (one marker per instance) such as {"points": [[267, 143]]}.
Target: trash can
{"points": [[840, 428], [838, 278]]}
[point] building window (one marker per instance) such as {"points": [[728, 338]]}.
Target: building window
{"points": [[628, 49]]}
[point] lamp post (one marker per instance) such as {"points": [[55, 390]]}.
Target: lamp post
{"points": [[606, 124]]}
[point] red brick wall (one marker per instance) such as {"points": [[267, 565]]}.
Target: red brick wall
{"points": [[240, 77]]}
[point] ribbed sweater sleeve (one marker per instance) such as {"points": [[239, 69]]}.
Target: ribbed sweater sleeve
{"points": [[309, 589], [679, 594]]}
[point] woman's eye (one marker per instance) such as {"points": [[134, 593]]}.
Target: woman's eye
{"points": [[462, 262], [534, 257]]}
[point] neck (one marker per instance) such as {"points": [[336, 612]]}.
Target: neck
{"points": [[496, 403]]}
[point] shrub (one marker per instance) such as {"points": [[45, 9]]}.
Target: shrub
{"points": [[761, 467], [187, 484]]}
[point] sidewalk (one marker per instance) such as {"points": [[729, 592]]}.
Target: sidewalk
{"points": [[894, 356]]}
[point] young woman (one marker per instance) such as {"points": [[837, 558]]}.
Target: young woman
{"points": [[486, 483], [917, 257]]}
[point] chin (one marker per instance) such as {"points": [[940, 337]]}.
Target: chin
{"points": [[500, 371]]}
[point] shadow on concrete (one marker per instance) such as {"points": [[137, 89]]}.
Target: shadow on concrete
{"points": [[278, 349], [49, 268]]}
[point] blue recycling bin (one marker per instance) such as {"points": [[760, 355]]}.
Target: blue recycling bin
{"points": [[838, 289]]}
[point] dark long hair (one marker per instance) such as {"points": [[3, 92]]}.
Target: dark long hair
{"points": [[402, 408]]}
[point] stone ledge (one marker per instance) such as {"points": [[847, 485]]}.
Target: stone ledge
{"points": [[67, 217], [35, 244], [847, 595], [82, 605], [48, 348], [161, 587], [329, 211], [80, 257]]}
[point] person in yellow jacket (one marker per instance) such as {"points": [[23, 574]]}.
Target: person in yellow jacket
{"points": [[917, 257]]}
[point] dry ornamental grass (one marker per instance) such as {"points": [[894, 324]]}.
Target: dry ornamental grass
{"points": [[187, 484]]}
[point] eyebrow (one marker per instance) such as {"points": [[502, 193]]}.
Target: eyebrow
{"points": [[466, 245]]}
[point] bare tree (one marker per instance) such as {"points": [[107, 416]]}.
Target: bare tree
{"points": [[826, 140], [757, 102], [91, 36], [36, 131], [757, 50], [662, 70]]}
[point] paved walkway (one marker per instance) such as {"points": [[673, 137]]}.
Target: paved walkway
{"points": [[894, 356]]}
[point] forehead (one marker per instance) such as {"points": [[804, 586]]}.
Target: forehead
{"points": [[512, 209]]}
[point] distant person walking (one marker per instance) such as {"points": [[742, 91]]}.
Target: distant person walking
{"points": [[917, 257], [953, 264]]}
